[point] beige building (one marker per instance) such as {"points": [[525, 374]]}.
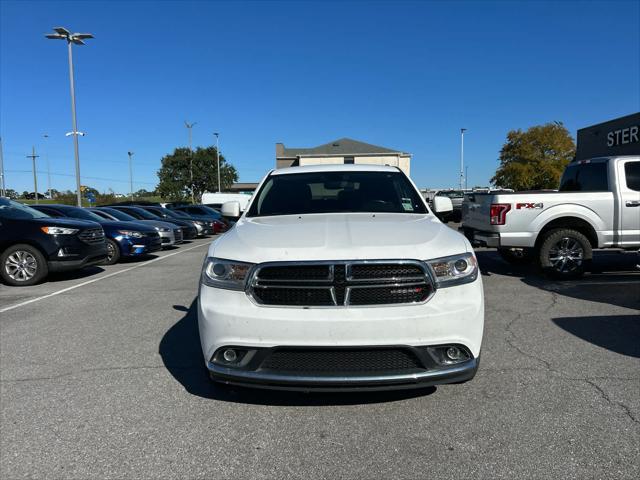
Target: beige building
{"points": [[342, 151]]}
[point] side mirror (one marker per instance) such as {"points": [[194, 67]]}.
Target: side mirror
{"points": [[230, 209], [442, 205]]}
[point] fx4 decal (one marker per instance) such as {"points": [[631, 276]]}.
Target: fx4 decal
{"points": [[520, 206]]}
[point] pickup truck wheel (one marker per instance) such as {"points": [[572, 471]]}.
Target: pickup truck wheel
{"points": [[564, 253], [516, 256], [22, 265]]}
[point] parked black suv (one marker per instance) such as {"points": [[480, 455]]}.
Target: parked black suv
{"points": [[33, 244]]}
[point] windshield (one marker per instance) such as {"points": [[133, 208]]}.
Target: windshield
{"points": [[11, 209], [336, 192], [143, 213], [83, 214], [119, 215], [177, 214], [451, 194], [210, 211]]}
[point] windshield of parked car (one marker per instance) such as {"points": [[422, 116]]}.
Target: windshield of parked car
{"points": [[125, 217], [142, 213], [14, 210], [451, 194], [83, 214], [176, 214], [210, 211], [336, 192]]}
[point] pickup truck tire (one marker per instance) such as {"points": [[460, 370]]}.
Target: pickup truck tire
{"points": [[516, 256], [564, 253], [22, 265]]}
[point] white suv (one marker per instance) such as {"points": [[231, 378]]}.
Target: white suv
{"points": [[339, 277]]}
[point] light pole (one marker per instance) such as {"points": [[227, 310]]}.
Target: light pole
{"points": [[33, 157], [462, 130], [3, 190], [189, 127], [218, 159], [75, 38], [130, 176], [46, 156]]}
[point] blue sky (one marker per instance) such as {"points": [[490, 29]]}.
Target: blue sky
{"points": [[405, 75]]}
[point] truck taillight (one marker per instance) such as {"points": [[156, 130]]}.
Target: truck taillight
{"points": [[498, 213]]}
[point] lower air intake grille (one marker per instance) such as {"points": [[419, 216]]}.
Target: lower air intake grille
{"points": [[349, 361]]}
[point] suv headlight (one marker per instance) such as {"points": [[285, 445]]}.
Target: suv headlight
{"points": [[130, 233], [454, 270], [59, 230], [220, 273]]}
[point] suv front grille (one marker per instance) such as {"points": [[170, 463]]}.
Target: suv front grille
{"points": [[92, 235], [341, 284], [347, 361]]}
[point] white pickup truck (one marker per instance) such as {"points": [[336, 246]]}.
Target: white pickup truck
{"points": [[597, 206], [340, 277]]}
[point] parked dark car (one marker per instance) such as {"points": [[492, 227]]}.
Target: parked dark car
{"points": [[33, 244], [187, 232], [170, 234], [124, 239], [161, 215], [203, 226], [205, 212]]}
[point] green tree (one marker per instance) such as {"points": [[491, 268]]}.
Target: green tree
{"points": [[534, 159], [175, 178]]}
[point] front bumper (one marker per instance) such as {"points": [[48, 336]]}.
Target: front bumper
{"points": [[453, 316], [389, 381]]}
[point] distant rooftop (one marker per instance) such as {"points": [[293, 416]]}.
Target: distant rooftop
{"points": [[340, 147]]}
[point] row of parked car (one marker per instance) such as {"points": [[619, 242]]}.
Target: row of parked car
{"points": [[38, 239]]}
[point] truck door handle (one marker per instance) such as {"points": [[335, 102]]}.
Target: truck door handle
{"points": [[633, 203]]}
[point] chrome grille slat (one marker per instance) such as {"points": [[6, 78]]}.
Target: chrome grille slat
{"points": [[367, 282]]}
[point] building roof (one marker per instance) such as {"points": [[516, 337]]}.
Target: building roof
{"points": [[340, 147], [334, 168]]}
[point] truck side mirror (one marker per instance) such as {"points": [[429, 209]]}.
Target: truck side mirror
{"points": [[230, 209], [442, 205]]}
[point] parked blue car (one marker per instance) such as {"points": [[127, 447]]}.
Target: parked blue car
{"points": [[124, 239]]}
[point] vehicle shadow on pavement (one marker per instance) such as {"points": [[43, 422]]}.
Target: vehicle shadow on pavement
{"points": [[618, 333], [182, 356], [74, 274], [614, 278]]}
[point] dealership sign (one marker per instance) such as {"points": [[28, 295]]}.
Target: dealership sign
{"points": [[615, 137]]}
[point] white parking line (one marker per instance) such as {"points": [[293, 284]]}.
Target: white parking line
{"points": [[88, 282]]}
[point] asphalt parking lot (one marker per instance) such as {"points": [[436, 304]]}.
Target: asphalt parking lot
{"points": [[102, 377]]}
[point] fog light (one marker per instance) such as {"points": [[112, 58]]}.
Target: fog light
{"points": [[453, 353], [230, 355]]}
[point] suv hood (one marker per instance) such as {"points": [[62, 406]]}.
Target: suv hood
{"points": [[351, 236], [122, 225], [63, 222]]}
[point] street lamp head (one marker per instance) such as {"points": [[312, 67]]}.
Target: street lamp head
{"points": [[462, 130], [130, 154], [216, 134], [64, 34]]}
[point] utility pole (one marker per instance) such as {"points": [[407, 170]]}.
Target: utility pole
{"points": [[466, 178], [77, 39], [33, 157], [462, 130], [218, 159], [130, 176], [3, 190], [46, 156], [189, 127]]}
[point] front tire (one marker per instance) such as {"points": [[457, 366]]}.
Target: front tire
{"points": [[113, 252], [565, 253], [23, 265]]}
